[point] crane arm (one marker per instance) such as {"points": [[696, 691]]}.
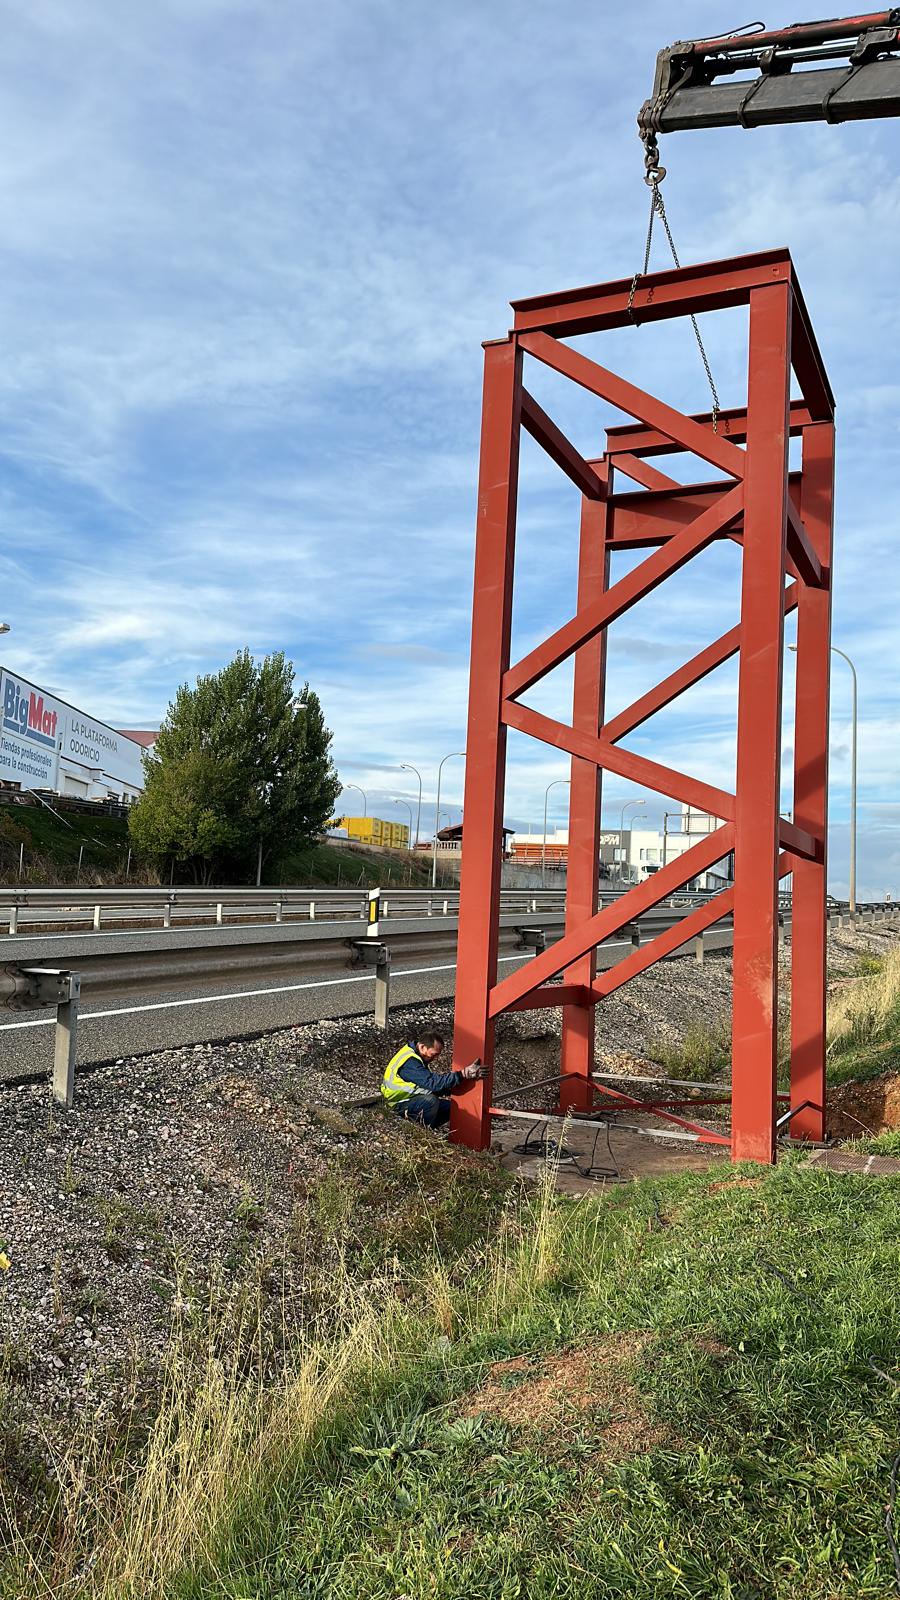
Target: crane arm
{"points": [[834, 71]]}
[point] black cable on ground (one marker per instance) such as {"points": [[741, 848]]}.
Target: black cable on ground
{"points": [[547, 1148], [890, 1526]]}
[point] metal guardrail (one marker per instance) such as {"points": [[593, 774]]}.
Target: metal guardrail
{"points": [[88, 909]]}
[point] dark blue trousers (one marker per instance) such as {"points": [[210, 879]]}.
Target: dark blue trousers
{"points": [[428, 1109]]}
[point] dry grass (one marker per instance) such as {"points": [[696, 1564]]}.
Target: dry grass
{"points": [[861, 1013]]}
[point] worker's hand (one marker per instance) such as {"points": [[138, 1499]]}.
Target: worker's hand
{"points": [[474, 1070]]}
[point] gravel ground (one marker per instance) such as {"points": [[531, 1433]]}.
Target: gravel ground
{"points": [[180, 1174]]}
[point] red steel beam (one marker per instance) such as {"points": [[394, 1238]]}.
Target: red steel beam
{"points": [[800, 550], [582, 878], [479, 905], [706, 1135], [757, 819], [798, 841], [808, 913], [732, 424], [647, 517], [709, 286], [555, 994], [664, 944], [608, 921], [643, 520], [683, 678], [641, 581], [672, 939], [636, 402], [640, 769], [560, 449], [641, 472]]}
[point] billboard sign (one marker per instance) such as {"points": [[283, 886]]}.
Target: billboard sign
{"points": [[47, 744], [29, 738]]}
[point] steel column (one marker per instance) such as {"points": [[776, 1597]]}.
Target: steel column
{"points": [[577, 1054], [757, 809], [479, 901], [809, 915]]}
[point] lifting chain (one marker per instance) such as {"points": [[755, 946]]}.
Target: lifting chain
{"points": [[654, 173]]}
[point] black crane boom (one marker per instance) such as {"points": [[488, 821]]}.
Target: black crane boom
{"points": [[843, 70]]}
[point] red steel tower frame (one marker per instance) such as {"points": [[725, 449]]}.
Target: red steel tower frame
{"points": [[782, 519]]}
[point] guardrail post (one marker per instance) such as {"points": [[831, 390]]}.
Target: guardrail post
{"points": [[279, 912], [65, 1049], [97, 910], [51, 986], [312, 910], [635, 933], [382, 987], [781, 930], [445, 907], [379, 957], [167, 913], [698, 949], [14, 919], [219, 913]]}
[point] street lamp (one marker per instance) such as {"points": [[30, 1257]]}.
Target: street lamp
{"points": [[363, 793], [550, 786], [405, 766], [622, 830], [437, 813], [853, 731], [398, 801]]}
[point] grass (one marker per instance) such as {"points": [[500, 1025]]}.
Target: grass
{"points": [[334, 866], [734, 1444], [863, 1023], [704, 1053], [52, 846], [879, 1144]]}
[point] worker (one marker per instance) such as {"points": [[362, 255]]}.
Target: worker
{"points": [[414, 1090]]}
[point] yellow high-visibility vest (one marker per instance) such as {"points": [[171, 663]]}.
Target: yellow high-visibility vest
{"points": [[393, 1085]]}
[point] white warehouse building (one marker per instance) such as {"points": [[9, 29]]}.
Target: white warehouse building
{"points": [[47, 744]]}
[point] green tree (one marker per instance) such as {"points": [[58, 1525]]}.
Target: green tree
{"points": [[241, 764]]}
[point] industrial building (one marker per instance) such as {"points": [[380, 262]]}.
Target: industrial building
{"points": [[45, 743], [630, 853]]}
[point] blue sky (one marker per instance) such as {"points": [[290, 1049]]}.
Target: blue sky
{"points": [[249, 251]]}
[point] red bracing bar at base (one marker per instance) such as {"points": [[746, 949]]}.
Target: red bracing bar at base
{"points": [[781, 524]]}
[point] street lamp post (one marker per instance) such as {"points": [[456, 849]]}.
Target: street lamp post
{"points": [[363, 793], [853, 731], [854, 712], [550, 786], [437, 813], [406, 766], [622, 831], [398, 801]]}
